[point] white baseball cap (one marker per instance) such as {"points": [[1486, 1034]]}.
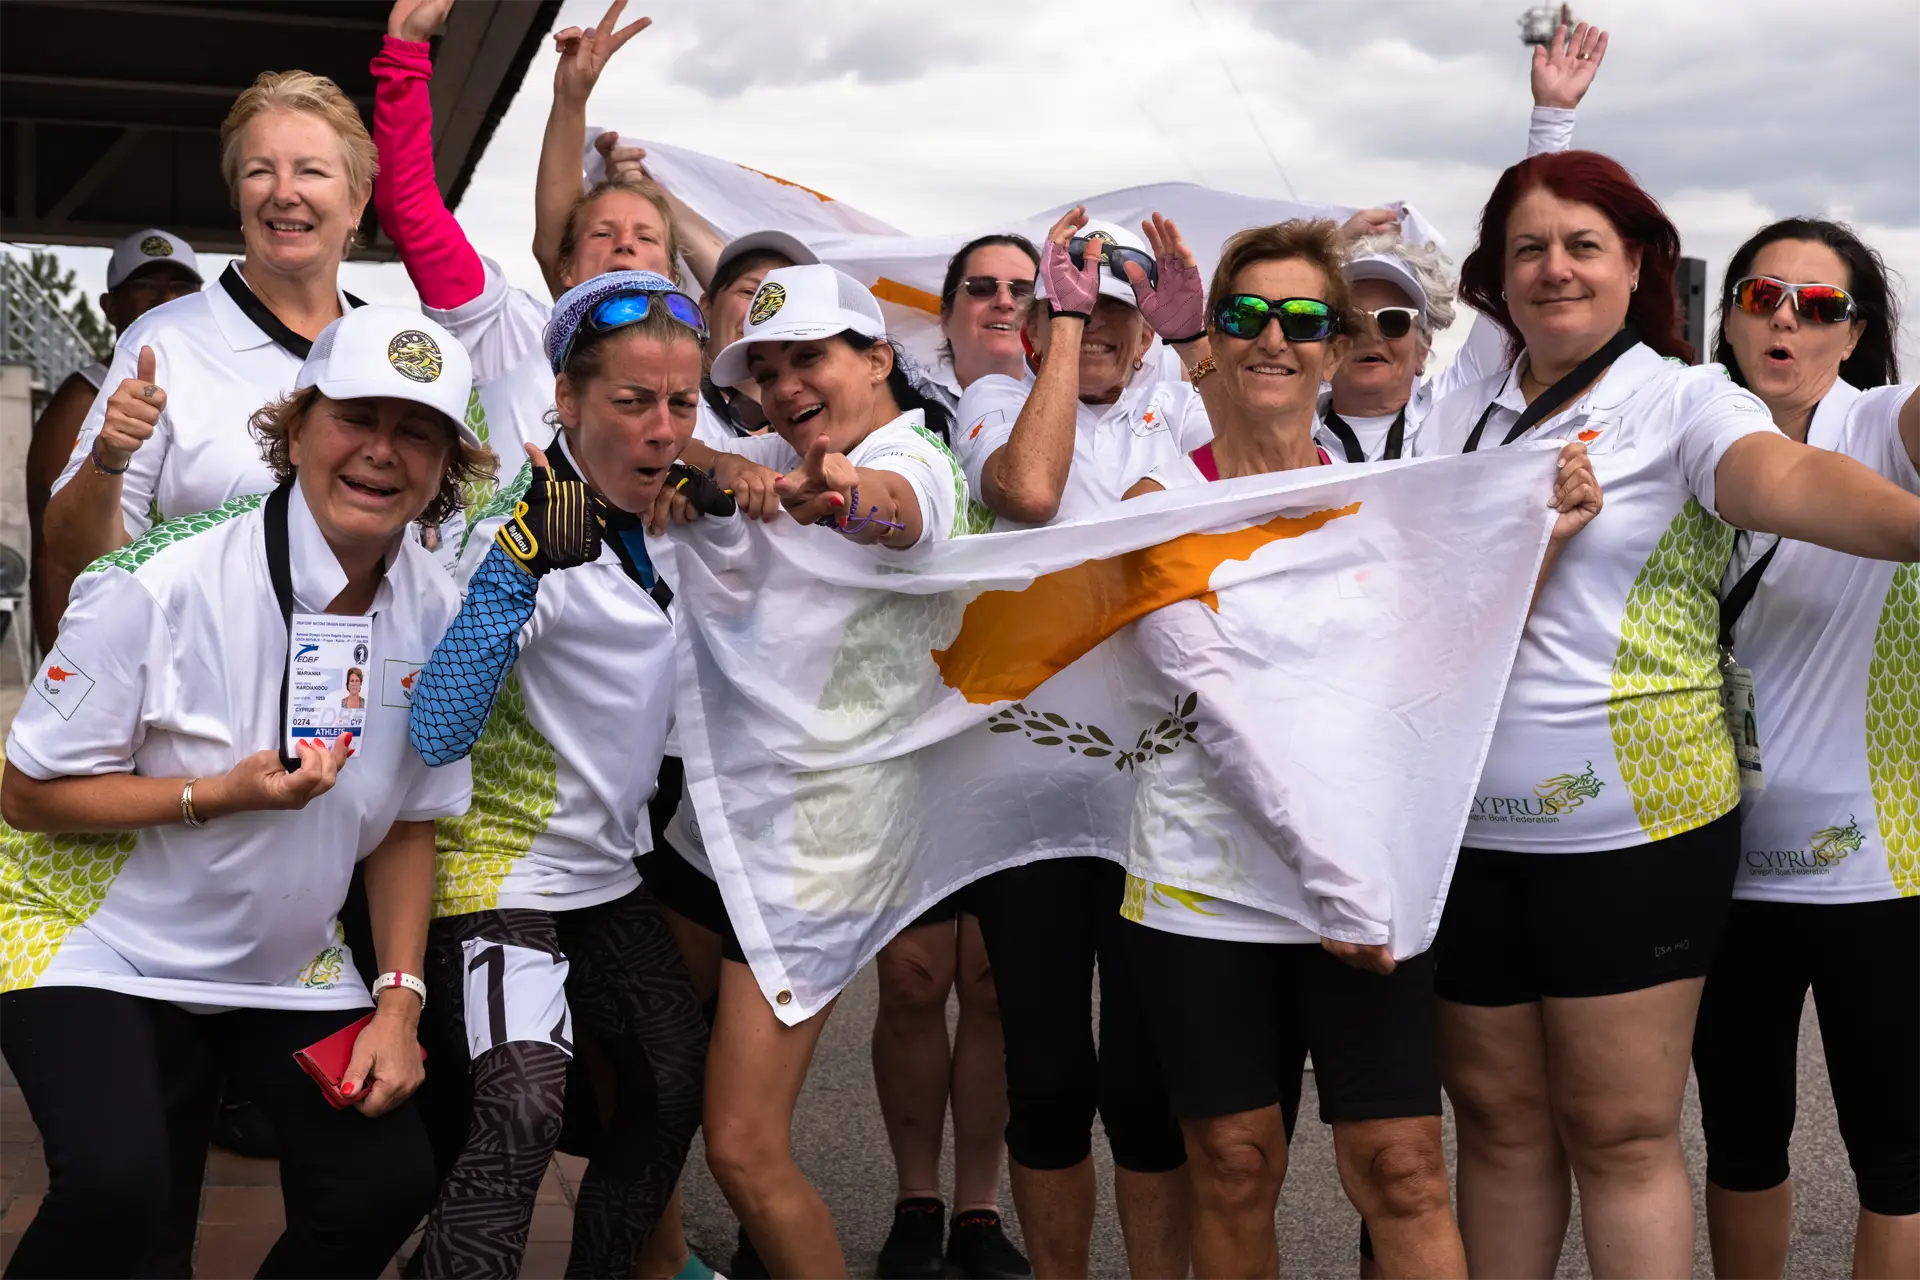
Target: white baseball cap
{"points": [[1384, 266], [1112, 285], [392, 351], [799, 304], [151, 245], [792, 248]]}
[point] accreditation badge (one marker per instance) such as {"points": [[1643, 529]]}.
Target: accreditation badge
{"points": [[329, 680], [1737, 705]]}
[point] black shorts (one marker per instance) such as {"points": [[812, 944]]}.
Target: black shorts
{"points": [[1519, 926], [1859, 960], [1233, 1020], [685, 890]]}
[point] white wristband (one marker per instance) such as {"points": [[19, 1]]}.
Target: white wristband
{"points": [[395, 978]]}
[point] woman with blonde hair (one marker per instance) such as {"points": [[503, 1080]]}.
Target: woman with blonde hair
{"points": [[167, 434]]}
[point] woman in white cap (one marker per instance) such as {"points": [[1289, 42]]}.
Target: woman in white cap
{"points": [[1403, 294], [1065, 443], [184, 804], [147, 268], [738, 269], [562, 646], [166, 437]]}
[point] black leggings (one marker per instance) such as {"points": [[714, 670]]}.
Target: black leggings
{"points": [[1859, 960], [1045, 925], [630, 995], [123, 1091]]}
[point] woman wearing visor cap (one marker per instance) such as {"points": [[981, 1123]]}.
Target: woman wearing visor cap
{"points": [[541, 921], [184, 805], [1827, 895]]}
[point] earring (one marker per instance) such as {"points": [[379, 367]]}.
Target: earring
{"points": [[1634, 287], [1138, 364], [1503, 295]]}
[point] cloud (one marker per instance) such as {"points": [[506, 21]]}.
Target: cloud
{"points": [[738, 46]]}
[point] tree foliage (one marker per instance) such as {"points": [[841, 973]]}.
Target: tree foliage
{"points": [[63, 287]]}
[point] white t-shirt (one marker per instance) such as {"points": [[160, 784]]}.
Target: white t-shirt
{"points": [[96, 373], [169, 664], [218, 368], [903, 446], [1611, 733], [1833, 642], [563, 770], [1181, 829], [1154, 421]]}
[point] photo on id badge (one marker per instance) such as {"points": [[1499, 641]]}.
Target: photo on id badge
{"points": [[326, 679]]}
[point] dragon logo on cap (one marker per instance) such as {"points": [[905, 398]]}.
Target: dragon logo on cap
{"points": [[769, 300], [1103, 240], [415, 355], [156, 247]]}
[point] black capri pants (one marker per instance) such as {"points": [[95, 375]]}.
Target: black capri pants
{"points": [[1047, 925], [123, 1090], [1862, 962]]}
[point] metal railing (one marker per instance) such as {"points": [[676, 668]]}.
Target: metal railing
{"points": [[34, 331]]}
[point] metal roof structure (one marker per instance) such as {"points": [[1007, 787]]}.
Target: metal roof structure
{"points": [[110, 110]]}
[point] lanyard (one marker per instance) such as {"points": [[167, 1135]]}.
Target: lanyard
{"points": [[1742, 595], [1396, 436], [263, 318], [280, 573], [1555, 397]]}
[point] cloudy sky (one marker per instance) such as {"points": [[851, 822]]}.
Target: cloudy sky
{"points": [[950, 117]]}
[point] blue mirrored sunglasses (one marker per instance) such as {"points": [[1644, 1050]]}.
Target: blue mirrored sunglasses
{"points": [[624, 309]]}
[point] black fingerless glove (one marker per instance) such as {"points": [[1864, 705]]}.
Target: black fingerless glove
{"points": [[701, 489], [555, 526]]}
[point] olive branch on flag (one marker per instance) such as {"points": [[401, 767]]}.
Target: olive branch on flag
{"points": [[1051, 729]]}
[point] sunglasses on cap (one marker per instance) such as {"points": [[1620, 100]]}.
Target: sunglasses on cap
{"points": [[1820, 303], [1245, 316], [1116, 256], [1394, 322], [989, 286], [624, 309]]}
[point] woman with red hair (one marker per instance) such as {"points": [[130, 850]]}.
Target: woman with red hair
{"points": [[1603, 839]]}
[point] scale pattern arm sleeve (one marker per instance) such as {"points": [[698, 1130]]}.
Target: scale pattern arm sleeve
{"points": [[457, 688]]}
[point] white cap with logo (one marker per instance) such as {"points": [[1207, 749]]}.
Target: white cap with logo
{"points": [[392, 351], [1384, 266], [799, 304], [1113, 284], [150, 246]]}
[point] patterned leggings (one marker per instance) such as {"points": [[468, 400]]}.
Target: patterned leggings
{"points": [[629, 991]]}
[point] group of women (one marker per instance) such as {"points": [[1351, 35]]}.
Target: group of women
{"points": [[208, 872]]}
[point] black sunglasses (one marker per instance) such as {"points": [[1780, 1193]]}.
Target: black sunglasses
{"points": [[988, 286], [1115, 255], [1245, 316]]}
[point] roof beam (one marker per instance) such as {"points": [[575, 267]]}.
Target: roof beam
{"points": [[102, 169], [285, 15], [158, 88]]}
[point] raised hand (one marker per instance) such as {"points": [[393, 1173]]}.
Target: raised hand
{"points": [[133, 410], [1177, 306], [820, 491], [1369, 222], [1563, 71], [1576, 492], [1070, 289], [417, 20], [584, 54], [623, 163], [555, 526]]}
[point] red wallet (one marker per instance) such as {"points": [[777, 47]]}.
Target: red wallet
{"points": [[327, 1061]]}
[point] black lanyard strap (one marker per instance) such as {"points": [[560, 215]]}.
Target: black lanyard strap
{"points": [[280, 571], [1742, 595], [263, 318], [1555, 397], [1350, 442]]}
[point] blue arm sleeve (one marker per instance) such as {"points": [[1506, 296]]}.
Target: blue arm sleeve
{"points": [[457, 687]]}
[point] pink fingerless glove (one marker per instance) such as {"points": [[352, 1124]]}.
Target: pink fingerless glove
{"points": [[1177, 306], [1070, 289]]}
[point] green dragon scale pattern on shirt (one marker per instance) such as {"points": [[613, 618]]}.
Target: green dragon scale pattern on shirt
{"points": [[1669, 737], [515, 789], [1893, 728], [968, 516], [502, 502], [49, 886], [168, 532]]}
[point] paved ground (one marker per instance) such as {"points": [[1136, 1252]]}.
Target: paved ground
{"points": [[842, 1147]]}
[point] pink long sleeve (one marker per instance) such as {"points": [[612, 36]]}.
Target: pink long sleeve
{"points": [[444, 266]]}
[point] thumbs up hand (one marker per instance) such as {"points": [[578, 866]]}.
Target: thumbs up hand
{"points": [[132, 413]]}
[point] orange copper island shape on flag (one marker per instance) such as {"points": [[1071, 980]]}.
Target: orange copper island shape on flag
{"points": [[1012, 642]]}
